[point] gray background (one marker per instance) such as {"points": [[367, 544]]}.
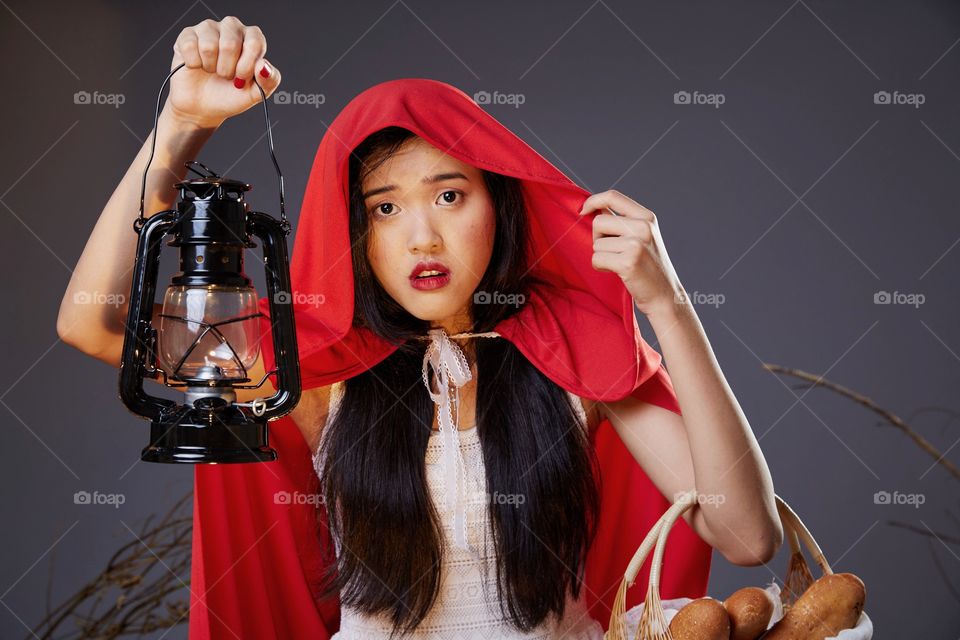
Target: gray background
{"points": [[794, 202]]}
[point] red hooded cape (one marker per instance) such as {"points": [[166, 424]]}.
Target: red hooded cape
{"points": [[256, 558]]}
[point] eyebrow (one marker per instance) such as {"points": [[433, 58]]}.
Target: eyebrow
{"points": [[440, 177]]}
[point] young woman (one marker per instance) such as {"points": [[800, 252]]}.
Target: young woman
{"points": [[473, 330]]}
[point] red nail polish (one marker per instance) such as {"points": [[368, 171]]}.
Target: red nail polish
{"points": [[265, 72], [238, 83]]}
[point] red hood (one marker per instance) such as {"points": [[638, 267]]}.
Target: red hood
{"points": [[255, 561]]}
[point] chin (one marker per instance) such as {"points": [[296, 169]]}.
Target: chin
{"points": [[436, 310], [430, 313]]}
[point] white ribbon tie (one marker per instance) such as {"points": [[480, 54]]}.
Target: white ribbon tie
{"points": [[450, 366]]}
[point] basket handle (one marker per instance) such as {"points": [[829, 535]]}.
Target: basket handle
{"points": [[792, 523], [685, 502], [656, 536], [794, 530]]}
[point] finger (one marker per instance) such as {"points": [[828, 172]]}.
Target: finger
{"points": [[208, 44], [185, 50], [606, 224], [254, 48], [613, 244], [615, 200], [606, 261], [231, 44], [618, 202], [268, 82]]}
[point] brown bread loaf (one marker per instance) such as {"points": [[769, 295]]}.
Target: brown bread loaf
{"points": [[701, 619], [828, 606], [750, 610]]}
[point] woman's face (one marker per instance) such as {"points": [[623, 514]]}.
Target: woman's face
{"points": [[425, 205]]}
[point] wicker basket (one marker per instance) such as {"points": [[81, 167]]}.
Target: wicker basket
{"points": [[653, 624]]}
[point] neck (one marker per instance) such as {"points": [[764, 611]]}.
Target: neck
{"points": [[458, 323]]}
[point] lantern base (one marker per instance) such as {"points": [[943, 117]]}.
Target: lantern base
{"points": [[216, 443]]}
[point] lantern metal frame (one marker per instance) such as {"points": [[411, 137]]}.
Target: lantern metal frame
{"points": [[212, 427]]}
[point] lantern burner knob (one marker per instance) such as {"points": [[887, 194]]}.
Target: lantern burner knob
{"points": [[210, 403], [202, 397]]}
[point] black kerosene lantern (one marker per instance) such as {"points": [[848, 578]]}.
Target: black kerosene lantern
{"points": [[209, 333]]}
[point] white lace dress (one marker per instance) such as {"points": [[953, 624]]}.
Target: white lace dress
{"points": [[467, 607]]}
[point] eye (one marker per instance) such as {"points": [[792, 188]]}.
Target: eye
{"points": [[383, 209], [450, 200]]}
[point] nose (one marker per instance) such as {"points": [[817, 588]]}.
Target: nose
{"points": [[423, 235]]}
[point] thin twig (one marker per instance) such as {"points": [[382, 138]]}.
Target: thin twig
{"points": [[943, 574], [889, 416], [139, 591], [933, 534]]}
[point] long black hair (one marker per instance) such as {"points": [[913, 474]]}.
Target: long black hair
{"points": [[533, 441]]}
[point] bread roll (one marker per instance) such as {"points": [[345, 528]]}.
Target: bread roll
{"points": [[701, 619], [750, 610]]}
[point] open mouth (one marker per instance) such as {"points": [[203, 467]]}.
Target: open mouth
{"points": [[430, 274], [430, 280]]}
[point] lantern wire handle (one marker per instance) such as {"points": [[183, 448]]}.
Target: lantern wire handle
{"points": [[210, 173], [141, 220]]}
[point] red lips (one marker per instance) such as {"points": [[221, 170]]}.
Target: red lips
{"points": [[429, 265]]}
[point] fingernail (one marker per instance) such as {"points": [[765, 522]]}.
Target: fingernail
{"points": [[238, 83], [265, 72]]}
